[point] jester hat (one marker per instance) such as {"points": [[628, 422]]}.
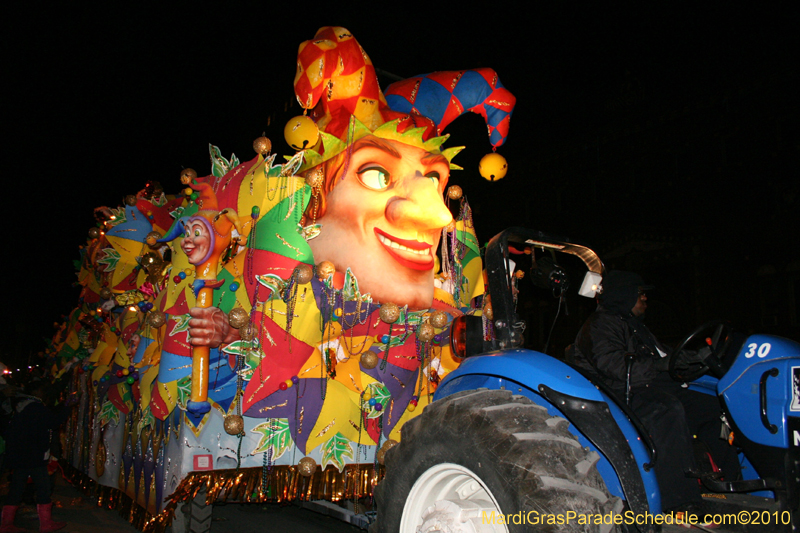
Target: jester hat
{"points": [[337, 82]]}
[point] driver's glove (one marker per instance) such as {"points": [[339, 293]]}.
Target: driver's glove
{"points": [[704, 352], [699, 356]]}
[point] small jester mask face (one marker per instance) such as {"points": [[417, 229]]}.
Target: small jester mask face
{"points": [[197, 242]]}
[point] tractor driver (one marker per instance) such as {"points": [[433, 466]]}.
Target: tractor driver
{"points": [[669, 412]]}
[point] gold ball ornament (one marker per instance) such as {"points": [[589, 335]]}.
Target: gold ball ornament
{"points": [[369, 360], [488, 312], [325, 270], [130, 200], [380, 455], [105, 293], [303, 273], [262, 146], [454, 192], [425, 332], [188, 175], [238, 317], [438, 319], [156, 319], [94, 233], [301, 132], [315, 178], [248, 332], [152, 239], [234, 424], [152, 262], [307, 466], [389, 444], [390, 312], [493, 167]]}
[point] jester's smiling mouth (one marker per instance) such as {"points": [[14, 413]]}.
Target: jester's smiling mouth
{"points": [[409, 253]]}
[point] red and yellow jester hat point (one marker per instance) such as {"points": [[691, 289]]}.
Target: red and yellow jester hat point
{"points": [[336, 80]]}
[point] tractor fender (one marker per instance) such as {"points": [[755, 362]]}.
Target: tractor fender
{"points": [[596, 419]]}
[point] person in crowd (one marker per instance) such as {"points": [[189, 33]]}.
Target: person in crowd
{"points": [[28, 441]]}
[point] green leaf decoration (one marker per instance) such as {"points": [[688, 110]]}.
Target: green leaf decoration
{"points": [[108, 413], [125, 394], [274, 283], [110, 258], [184, 390], [335, 450], [350, 289], [381, 394], [181, 323], [291, 167], [219, 165], [253, 356], [146, 419], [120, 217], [415, 317], [309, 232], [177, 212], [160, 200], [241, 347], [275, 436]]}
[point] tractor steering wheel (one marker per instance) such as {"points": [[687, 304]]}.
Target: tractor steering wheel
{"points": [[717, 335]]}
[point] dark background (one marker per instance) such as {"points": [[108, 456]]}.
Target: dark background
{"points": [[664, 136]]}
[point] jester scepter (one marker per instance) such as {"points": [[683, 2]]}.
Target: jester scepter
{"points": [[206, 236]]}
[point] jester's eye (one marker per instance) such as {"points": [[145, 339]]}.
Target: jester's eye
{"points": [[374, 178], [196, 232], [434, 177]]}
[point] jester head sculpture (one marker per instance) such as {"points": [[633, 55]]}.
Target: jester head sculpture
{"points": [[378, 172], [206, 234]]}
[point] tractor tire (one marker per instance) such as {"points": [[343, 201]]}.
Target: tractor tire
{"points": [[484, 453], [193, 516]]}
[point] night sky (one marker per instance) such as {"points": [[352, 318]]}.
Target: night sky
{"points": [[98, 100]]}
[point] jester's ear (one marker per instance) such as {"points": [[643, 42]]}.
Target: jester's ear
{"points": [[177, 229]]}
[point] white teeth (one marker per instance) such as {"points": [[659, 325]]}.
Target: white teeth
{"points": [[391, 244]]}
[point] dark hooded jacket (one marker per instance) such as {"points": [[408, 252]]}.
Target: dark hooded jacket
{"points": [[613, 331]]}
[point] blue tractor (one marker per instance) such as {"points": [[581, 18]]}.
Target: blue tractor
{"points": [[517, 440]]}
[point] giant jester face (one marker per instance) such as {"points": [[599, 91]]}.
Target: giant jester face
{"points": [[384, 220]]}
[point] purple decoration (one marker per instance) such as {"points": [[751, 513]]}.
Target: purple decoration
{"points": [[401, 384], [305, 396]]}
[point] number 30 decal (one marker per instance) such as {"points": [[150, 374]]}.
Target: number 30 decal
{"points": [[754, 349]]}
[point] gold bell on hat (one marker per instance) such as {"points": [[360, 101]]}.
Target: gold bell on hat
{"points": [[493, 167], [301, 132]]}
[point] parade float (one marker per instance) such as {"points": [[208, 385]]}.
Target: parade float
{"points": [[264, 333]]}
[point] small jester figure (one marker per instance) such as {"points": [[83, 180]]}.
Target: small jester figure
{"points": [[206, 236]]}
